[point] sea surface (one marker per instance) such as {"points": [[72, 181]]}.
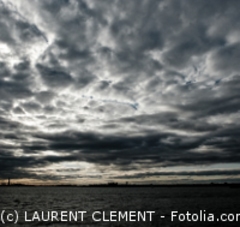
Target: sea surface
{"points": [[162, 200]]}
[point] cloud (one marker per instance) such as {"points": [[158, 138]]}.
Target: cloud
{"points": [[189, 174], [54, 78], [124, 86], [226, 59]]}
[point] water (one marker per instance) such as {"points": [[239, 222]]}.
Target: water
{"points": [[161, 200]]}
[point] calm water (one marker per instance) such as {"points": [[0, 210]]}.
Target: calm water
{"points": [[160, 200]]}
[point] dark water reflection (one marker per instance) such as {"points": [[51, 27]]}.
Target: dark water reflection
{"points": [[161, 200]]}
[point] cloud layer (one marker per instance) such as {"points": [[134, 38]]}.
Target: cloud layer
{"points": [[102, 90]]}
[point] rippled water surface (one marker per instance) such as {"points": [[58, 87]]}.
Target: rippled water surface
{"points": [[161, 200]]}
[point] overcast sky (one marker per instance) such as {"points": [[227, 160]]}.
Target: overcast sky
{"points": [[93, 91]]}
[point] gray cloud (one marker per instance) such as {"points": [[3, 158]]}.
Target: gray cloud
{"points": [[122, 86], [54, 78], [187, 173]]}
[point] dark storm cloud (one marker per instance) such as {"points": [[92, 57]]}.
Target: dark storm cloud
{"points": [[123, 84], [221, 98], [9, 166], [31, 106], [124, 151], [18, 85], [15, 78], [54, 78], [164, 149], [14, 27], [7, 124], [194, 38], [18, 110], [14, 90], [14, 166], [227, 58], [24, 65], [173, 120], [83, 79], [72, 52], [44, 96], [125, 30], [187, 173], [9, 162], [4, 70]]}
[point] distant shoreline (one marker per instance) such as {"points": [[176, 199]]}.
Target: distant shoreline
{"points": [[115, 185]]}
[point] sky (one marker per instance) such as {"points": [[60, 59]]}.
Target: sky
{"points": [[138, 91]]}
